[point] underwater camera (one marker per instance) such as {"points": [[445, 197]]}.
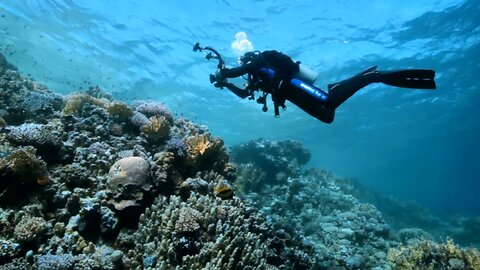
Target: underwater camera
{"points": [[213, 78]]}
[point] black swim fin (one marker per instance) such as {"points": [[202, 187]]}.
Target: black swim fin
{"points": [[409, 78]]}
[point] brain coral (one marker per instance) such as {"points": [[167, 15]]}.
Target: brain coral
{"points": [[128, 178]]}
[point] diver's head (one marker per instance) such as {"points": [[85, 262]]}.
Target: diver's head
{"points": [[247, 57]]}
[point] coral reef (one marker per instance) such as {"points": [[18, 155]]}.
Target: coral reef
{"points": [[207, 233], [21, 172], [76, 102], [153, 108], [46, 138], [156, 129], [278, 160], [430, 255], [128, 180], [345, 233]]}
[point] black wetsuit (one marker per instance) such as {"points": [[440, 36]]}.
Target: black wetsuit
{"points": [[274, 72]]}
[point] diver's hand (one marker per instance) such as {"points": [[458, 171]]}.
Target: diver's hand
{"points": [[221, 84], [218, 75]]}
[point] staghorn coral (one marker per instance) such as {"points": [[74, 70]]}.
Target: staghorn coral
{"points": [[157, 129], [430, 255], [76, 101]]}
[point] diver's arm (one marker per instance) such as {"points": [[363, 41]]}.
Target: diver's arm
{"points": [[239, 71], [241, 93]]}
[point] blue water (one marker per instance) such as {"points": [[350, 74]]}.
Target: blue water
{"points": [[420, 145]]}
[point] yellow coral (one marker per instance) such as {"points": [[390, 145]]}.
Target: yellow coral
{"points": [[201, 147], [120, 110], [26, 166], [430, 255], [157, 128], [75, 103]]}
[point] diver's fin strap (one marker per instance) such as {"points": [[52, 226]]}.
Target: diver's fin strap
{"points": [[409, 78]]}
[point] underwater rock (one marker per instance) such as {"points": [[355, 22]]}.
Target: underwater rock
{"points": [[128, 179], [9, 250]]}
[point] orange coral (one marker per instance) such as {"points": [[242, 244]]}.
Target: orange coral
{"points": [[120, 111]]}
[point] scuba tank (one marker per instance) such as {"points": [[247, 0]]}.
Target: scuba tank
{"points": [[306, 74]]}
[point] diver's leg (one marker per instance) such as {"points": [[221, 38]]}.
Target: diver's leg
{"points": [[316, 107], [409, 78], [341, 91]]}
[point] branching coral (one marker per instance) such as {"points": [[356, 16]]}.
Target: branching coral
{"points": [[430, 255], [202, 232], [29, 228]]}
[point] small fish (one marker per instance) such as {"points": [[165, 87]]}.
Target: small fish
{"points": [[224, 190]]}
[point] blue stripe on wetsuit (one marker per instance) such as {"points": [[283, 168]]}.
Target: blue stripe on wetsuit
{"points": [[312, 90]]}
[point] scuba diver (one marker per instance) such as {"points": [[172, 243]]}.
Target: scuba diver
{"points": [[275, 73]]}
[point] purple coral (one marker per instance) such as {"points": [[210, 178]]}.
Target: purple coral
{"points": [[139, 119], [51, 262], [152, 108], [176, 146]]}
